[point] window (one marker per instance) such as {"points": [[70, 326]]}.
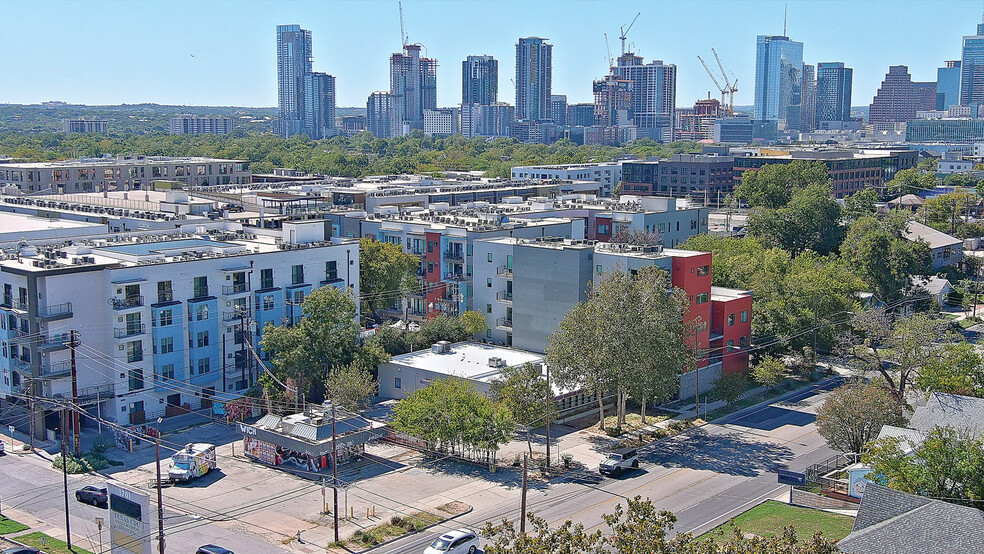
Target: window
{"points": [[488, 333], [134, 352], [488, 308], [202, 339], [490, 256], [167, 371], [703, 270], [204, 365], [201, 287], [731, 319], [267, 302], [166, 318], [743, 341], [167, 345], [331, 270], [297, 274], [731, 344], [136, 380], [164, 291], [598, 269], [398, 383], [702, 298], [488, 282], [201, 312], [266, 278], [744, 316]]}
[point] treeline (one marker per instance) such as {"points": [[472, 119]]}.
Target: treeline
{"points": [[355, 156]]}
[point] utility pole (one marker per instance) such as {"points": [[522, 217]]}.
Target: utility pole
{"points": [[697, 367], [549, 410], [522, 515], [73, 343], [68, 524], [31, 402], [160, 498], [334, 469]]}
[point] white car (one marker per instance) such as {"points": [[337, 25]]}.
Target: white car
{"points": [[459, 541]]}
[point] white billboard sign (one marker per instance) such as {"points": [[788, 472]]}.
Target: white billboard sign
{"points": [[129, 519]]}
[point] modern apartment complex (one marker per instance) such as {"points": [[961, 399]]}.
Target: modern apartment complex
{"points": [[681, 175], [382, 110], [306, 100], [608, 174], [120, 173], [653, 95], [413, 84], [948, 85], [200, 125], [85, 126], [479, 80], [162, 318]]}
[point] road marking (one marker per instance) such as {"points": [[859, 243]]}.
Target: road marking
{"points": [[616, 496], [739, 509]]}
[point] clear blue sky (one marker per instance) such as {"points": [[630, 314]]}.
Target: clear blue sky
{"points": [[222, 52]]}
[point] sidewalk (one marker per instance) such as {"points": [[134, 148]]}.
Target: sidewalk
{"points": [[90, 543]]}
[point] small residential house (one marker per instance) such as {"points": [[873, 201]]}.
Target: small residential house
{"points": [[965, 414], [946, 250], [937, 287]]}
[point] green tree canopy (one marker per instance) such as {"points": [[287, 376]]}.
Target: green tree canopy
{"points": [[525, 392], [877, 251], [853, 415], [386, 274], [911, 181], [811, 220], [773, 185], [959, 369]]}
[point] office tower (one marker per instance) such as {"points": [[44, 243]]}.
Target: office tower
{"points": [[383, 115], [319, 105], [612, 102], [972, 68], [479, 80], [413, 81], [293, 64], [534, 74], [899, 98], [653, 94], [580, 115], [948, 85], [834, 83], [808, 100], [558, 109], [778, 80]]}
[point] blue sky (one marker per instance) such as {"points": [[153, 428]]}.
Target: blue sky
{"points": [[222, 52]]}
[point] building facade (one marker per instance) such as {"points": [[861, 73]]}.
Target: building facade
{"points": [[808, 101], [834, 85], [200, 125], [480, 80], [558, 109], [963, 130], [653, 95], [899, 97], [534, 77], [319, 105], [681, 175], [294, 62], [383, 115], [972, 68], [441, 122], [778, 80], [120, 173], [413, 84], [609, 174], [85, 126], [948, 85]]}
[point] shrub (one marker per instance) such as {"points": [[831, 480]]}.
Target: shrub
{"points": [[567, 459], [613, 431], [397, 521]]}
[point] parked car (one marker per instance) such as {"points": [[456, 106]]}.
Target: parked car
{"points": [[618, 461], [212, 549], [459, 541], [22, 550], [96, 496], [3, 447]]}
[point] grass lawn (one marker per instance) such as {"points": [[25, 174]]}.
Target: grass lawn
{"points": [[8, 525], [769, 518], [52, 545]]}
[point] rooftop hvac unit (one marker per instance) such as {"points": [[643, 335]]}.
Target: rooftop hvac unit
{"points": [[441, 347], [495, 361]]}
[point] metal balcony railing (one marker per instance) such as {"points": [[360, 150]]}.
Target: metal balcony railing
{"points": [[504, 322], [58, 310], [234, 288], [130, 330], [504, 295], [234, 315], [454, 255], [504, 271], [127, 302]]}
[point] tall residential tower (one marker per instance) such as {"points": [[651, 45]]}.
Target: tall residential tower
{"points": [[413, 81], [834, 82], [972, 68], [534, 73], [293, 64], [653, 94], [479, 80]]}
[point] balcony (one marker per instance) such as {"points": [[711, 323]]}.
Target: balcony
{"points": [[235, 288], [504, 271], [57, 311], [234, 315], [130, 330], [454, 277], [454, 255], [504, 296], [18, 305], [126, 302], [57, 369], [96, 393], [504, 323]]}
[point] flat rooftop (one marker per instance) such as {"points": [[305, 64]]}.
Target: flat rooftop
{"points": [[99, 162], [13, 223], [161, 247], [469, 360]]}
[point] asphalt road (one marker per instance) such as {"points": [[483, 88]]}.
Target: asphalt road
{"points": [[705, 476]]}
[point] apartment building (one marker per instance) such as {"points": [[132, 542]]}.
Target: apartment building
{"points": [[161, 316], [200, 125], [683, 174], [608, 174], [120, 173]]}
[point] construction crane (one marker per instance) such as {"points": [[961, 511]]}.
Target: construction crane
{"points": [[403, 30], [625, 31], [611, 62], [730, 88], [726, 91]]}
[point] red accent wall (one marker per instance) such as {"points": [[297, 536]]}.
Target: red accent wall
{"points": [[733, 360], [435, 288], [685, 276], [598, 235]]}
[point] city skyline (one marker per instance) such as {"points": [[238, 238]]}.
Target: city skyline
{"points": [[357, 54]]}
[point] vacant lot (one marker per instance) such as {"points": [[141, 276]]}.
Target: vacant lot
{"points": [[770, 517]]}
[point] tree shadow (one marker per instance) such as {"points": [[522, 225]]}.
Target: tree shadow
{"points": [[774, 417], [725, 453], [510, 477]]}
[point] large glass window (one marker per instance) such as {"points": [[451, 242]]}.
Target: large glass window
{"points": [[297, 274], [164, 291], [201, 287]]}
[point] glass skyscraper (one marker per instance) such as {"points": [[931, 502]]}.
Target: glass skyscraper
{"points": [[972, 68], [948, 85], [413, 80], [293, 64], [534, 75], [778, 80], [834, 82], [479, 80]]}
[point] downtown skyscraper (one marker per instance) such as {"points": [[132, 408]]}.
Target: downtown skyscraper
{"points": [[834, 83], [413, 82], [305, 99], [972, 69], [534, 75], [479, 80], [778, 81], [653, 94]]}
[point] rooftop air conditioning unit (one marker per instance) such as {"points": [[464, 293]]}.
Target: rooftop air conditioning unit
{"points": [[441, 347], [495, 361]]}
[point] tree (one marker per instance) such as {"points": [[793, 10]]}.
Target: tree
{"points": [[877, 251], [911, 181], [473, 322], [639, 237], [324, 337], [729, 387], [860, 204], [638, 528], [809, 221], [946, 465], [441, 327], [773, 185], [628, 336], [350, 386], [769, 371], [894, 346], [958, 370], [946, 212], [386, 274], [451, 415], [524, 391], [853, 415]]}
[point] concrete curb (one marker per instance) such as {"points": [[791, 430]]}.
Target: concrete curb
{"points": [[405, 535], [781, 398]]}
